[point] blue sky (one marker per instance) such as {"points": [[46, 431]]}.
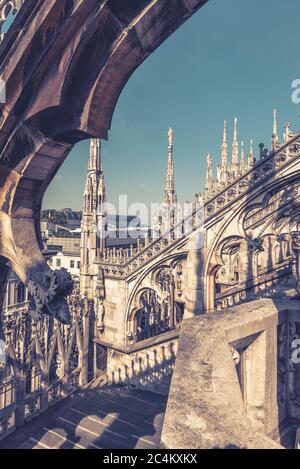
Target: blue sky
{"points": [[233, 58]]}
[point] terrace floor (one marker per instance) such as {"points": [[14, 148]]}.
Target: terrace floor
{"points": [[100, 418]]}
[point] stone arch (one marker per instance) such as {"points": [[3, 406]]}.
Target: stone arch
{"points": [[243, 206], [20, 292], [154, 308], [8, 383], [167, 260], [146, 314], [230, 250], [40, 68]]}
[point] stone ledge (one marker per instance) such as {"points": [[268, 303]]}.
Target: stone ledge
{"points": [[143, 344]]}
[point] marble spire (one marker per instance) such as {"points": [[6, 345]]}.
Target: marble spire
{"points": [[235, 149], [170, 192], [242, 162], [224, 147], [275, 138], [250, 156], [208, 181]]}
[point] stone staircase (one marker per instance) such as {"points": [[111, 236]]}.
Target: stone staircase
{"points": [[97, 417]]}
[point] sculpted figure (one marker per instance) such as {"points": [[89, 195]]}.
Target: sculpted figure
{"points": [[100, 316], [48, 296]]}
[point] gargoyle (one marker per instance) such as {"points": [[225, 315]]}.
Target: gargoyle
{"points": [[48, 296]]}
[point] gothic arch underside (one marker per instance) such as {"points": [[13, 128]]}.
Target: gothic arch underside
{"points": [[63, 78], [164, 284]]}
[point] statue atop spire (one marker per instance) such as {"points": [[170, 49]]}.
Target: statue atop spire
{"points": [[242, 162], [235, 130], [275, 137], [224, 147], [250, 156], [287, 134], [171, 137], [101, 188], [208, 182], [95, 150]]}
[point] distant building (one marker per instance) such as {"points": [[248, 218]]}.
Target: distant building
{"points": [[68, 261], [66, 243], [16, 296]]}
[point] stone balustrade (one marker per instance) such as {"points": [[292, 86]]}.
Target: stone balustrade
{"points": [[263, 169], [264, 286], [38, 373]]}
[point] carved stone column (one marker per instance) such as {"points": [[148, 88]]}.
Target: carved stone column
{"points": [[281, 240], [246, 269], [254, 246], [172, 302], [86, 359], [194, 282]]}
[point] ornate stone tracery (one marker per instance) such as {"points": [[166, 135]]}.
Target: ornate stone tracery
{"points": [[44, 358], [159, 308]]}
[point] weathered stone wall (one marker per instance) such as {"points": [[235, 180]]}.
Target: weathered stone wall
{"points": [[208, 405], [115, 305]]}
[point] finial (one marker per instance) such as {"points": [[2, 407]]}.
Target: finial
{"points": [[171, 137], [275, 122], [242, 162], [235, 148], [287, 131], [235, 130], [275, 138], [224, 155], [95, 152], [208, 171], [250, 156], [225, 132], [208, 159]]}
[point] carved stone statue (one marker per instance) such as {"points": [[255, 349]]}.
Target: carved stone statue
{"points": [[100, 316], [48, 295], [256, 244], [171, 137]]}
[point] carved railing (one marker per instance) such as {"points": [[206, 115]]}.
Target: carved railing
{"points": [[7, 421], [263, 286], [54, 392], [32, 405], [122, 268], [277, 204], [259, 173], [36, 367], [7, 8]]}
